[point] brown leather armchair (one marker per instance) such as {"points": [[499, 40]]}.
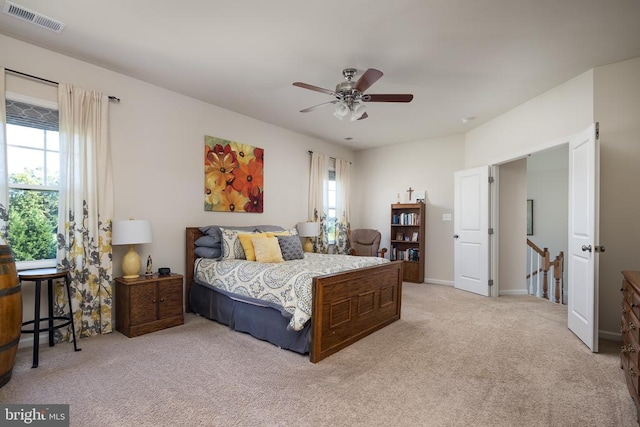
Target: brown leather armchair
{"points": [[366, 242]]}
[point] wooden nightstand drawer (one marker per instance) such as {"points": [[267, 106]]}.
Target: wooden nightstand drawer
{"points": [[148, 304]]}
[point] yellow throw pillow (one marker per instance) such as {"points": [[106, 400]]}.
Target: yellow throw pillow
{"points": [[247, 244], [267, 249]]}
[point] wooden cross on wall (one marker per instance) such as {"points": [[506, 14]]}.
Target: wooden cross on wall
{"points": [[410, 190]]}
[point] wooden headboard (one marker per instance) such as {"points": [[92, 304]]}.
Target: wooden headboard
{"points": [[193, 233]]}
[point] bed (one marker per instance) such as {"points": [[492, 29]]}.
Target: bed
{"points": [[345, 306]]}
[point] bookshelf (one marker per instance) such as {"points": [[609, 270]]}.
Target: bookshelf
{"points": [[408, 239]]}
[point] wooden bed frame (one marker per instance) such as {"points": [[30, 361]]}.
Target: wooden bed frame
{"points": [[347, 306]]}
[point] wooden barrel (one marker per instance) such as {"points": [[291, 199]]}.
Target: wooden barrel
{"points": [[10, 313]]}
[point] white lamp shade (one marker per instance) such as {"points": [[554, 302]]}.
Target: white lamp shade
{"points": [[131, 232], [308, 229], [341, 111], [358, 111]]}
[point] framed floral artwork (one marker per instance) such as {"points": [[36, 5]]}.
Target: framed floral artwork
{"points": [[233, 176]]}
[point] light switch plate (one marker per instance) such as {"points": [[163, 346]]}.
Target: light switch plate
{"points": [[446, 217]]}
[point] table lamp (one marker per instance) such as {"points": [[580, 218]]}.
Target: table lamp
{"points": [[308, 230], [131, 232]]}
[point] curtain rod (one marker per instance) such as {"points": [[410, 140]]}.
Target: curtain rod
{"points": [[332, 158], [51, 82]]}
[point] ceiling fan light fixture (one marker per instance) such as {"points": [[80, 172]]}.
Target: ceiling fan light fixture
{"points": [[357, 111], [341, 110]]}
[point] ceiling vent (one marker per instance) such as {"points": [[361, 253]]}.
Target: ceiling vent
{"points": [[33, 17]]}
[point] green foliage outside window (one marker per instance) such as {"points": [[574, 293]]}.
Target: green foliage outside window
{"points": [[33, 220]]}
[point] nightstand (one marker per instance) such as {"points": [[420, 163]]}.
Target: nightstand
{"points": [[148, 304]]}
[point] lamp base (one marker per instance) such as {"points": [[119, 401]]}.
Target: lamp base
{"points": [[131, 264], [307, 246]]}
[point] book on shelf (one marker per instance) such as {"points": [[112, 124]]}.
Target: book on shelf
{"points": [[407, 218]]}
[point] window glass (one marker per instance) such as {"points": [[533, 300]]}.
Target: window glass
{"points": [[331, 206], [33, 165]]}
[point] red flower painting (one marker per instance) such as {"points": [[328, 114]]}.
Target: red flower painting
{"points": [[233, 176]]}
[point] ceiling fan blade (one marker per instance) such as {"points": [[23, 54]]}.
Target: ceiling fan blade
{"points": [[388, 98], [367, 79], [306, 110], [312, 87], [363, 116]]}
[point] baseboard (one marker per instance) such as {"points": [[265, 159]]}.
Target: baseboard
{"points": [[27, 340], [608, 335], [438, 282], [507, 292]]}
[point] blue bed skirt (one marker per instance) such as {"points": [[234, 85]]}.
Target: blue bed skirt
{"points": [[261, 321]]}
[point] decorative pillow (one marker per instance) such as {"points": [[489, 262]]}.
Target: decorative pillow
{"points": [[293, 231], [263, 228], [231, 246], [208, 241], [205, 252], [247, 244], [267, 249], [290, 247]]}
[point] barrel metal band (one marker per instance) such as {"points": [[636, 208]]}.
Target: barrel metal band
{"points": [[10, 344], [9, 291]]}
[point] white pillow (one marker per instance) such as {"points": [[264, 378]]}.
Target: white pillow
{"points": [[231, 245]]}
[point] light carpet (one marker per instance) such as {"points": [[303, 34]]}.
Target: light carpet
{"points": [[454, 359]]}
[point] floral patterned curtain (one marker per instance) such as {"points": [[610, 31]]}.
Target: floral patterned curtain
{"points": [[318, 196], [86, 209], [4, 180], [318, 204], [343, 216]]}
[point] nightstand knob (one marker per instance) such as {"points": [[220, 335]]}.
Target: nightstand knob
{"points": [[161, 299], [154, 301]]}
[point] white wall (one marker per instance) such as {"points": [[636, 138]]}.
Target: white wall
{"points": [[555, 114], [548, 187], [512, 211], [381, 173], [617, 109], [157, 141], [611, 96]]}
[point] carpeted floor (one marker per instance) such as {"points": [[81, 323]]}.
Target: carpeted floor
{"points": [[454, 359]]}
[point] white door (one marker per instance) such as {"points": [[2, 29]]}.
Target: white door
{"points": [[471, 230], [583, 244]]}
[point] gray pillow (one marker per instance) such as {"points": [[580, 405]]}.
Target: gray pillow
{"points": [[205, 252], [290, 247], [208, 241]]}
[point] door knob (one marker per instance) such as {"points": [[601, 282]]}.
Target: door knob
{"points": [[586, 248], [455, 236]]}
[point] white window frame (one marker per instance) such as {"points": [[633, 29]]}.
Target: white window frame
{"points": [[41, 263]]}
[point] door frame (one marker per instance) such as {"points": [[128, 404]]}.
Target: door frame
{"points": [[495, 202]]}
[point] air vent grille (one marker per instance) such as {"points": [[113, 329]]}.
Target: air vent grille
{"points": [[33, 17]]}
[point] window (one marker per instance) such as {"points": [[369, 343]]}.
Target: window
{"points": [[331, 206], [33, 168]]}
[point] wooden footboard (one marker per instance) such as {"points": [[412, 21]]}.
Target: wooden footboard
{"points": [[347, 306], [351, 305]]}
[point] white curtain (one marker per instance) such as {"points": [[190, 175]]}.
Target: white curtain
{"points": [[343, 216], [318, 197], [4, 178], [86, 208], [318, 203]]}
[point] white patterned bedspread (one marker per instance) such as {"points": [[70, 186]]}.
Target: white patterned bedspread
{"points": [[288, 283]]}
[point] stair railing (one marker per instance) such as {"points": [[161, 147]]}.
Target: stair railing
{"points": [[538, 274]]}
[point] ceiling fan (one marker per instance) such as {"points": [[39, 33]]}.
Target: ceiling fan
{"points": [[350, 97]]}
